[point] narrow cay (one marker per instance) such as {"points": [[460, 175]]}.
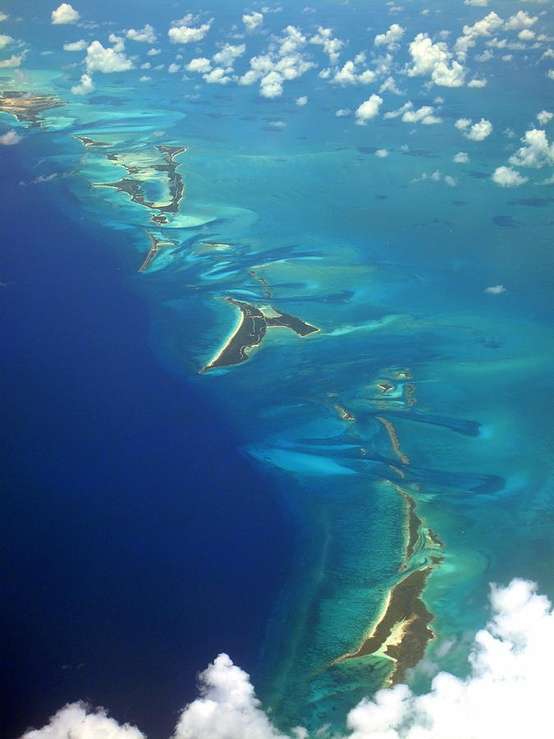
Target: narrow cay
{"points": [[403, 632]]}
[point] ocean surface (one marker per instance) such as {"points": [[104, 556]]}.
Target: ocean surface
{"points": [[163, 502]]}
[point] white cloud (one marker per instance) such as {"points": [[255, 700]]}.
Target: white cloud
{"points": [[302, 101], [188, 34], [173, 68], [506, 694], [477, 83], [10, 138], [536, 151], [291, 41], [284, 62], [228, 53], [217, 76], [520, 20], [85, 86], [343, 112], [252, 20], [544, 117], [424, 115], [477, 3], [349, 74], [391, 37], [64, 14], [332, 46], [434, 60], [495, 290], [153, 52], [508, 177], [368, 109], [271, 86], [5, 40], [474, 131], [436, 176], [389, 85], [107, 60], [13, 61], [550, 74], [471, 34], [145, 35], [526, 35], [75, 45], [3, 16], [77, 722], [382, 153], [201, 65], [461, 158]]}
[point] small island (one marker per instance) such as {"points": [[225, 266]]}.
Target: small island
{"points": [[250, 331], [25, 107], [133, 187]]}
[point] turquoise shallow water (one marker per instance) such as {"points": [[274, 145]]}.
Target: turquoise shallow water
{"points": [[390, 264]]}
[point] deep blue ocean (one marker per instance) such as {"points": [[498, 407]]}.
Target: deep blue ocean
{"points": [[133, 532]]}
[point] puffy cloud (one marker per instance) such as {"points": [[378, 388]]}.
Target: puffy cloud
{"points": [[391, 37], [506, 694], [461, 158], [368, 109], [477, 83], [271, 86], [188, 34], [508, 177], [425, 114], [227, 707], [85, 86], [343, 112], [145, 35], [434, 60], [544, 117], [302, 101], [520, 20], [389, 85], [252, 20], [536, 151], [291, 41], [153, 52], [526, 35], [382, 153], [482, 28], [77, 722], [5, 40], [173, 68], [64, 14], [106, 59], [332, 46], [349, 74], [284, 62], [75, 45], [200, 65], [217, 76], [477, 3], [3, 16], [228, 53], [495, 290], [10, 138], [550, 74], [474, 131]]}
